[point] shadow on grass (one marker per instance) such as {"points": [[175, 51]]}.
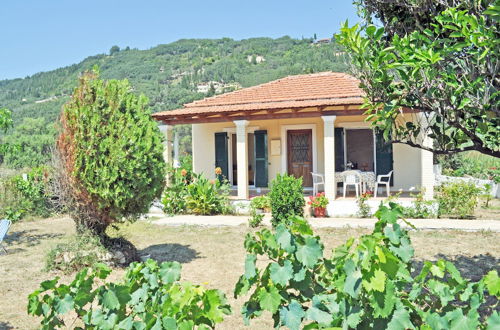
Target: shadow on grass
{"points": [[170, 252], [28, 238], [5, 326], [473, 269]]}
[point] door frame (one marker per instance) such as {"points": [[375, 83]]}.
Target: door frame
{"points": [[284, 135], [230, 131]]}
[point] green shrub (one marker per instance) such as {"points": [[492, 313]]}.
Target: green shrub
{"points": [[473, 164], [207, 197], [364, 210], [262, 202], [458, 199], [421, 209], [367, 283], [255, 219], [112, 152], [23, 195], [287, 198], [80, 251], [149, 297], [174, 195]]}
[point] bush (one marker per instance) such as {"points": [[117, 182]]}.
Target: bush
{"points": [[472, 164], [364, 210], [174, 195], [111, 153], [150, 297], [23, 195], [366, 283], [207, 197], [458, 199], [421, 209], [287, 198], [262, 202]]}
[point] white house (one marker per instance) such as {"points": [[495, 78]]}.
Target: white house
{"points": [[297, 125]]}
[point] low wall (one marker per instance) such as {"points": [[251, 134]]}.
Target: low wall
{"points": [[495, 188]]}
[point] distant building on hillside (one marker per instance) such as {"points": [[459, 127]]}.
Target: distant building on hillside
{"points": [[219, 87], [257, 58], [323, 41]]}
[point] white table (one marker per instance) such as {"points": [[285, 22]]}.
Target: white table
{"points": [[367, 179]]}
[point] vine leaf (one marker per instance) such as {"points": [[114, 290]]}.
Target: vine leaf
{"points": [[270, 300], [309, 253], [291, 316], [281, 274]]}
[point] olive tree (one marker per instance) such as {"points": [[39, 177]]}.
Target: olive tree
{"points": [[435, 59], [110, 152]]}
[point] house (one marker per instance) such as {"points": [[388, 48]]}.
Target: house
{"points": [[297, 125]]}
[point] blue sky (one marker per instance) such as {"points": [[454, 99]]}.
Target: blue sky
{"points": [[41, 35]]}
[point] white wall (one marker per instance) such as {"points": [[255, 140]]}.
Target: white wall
{"points": [[406, 167], [407, 160]]}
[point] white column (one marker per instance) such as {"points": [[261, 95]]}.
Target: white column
{"points": [[329, 156], [242, 157], [427, 169], [167, 151], [176, 150]]}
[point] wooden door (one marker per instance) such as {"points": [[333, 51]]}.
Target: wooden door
{"points": [[221, 153], [300, 160]]}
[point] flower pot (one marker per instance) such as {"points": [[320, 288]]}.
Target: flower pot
{"points": [[319, 212]]}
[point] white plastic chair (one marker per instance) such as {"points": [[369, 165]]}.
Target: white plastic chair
{"points": [[318, 180], [352, 178], [4, 228], [383, 180]]}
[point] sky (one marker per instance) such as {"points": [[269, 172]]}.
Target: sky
{"points": [[42, 35]]}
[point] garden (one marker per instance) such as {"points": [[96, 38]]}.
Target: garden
{"points": [[82, 254]]}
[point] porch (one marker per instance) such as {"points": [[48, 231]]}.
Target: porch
{"points": [[297, 125]]}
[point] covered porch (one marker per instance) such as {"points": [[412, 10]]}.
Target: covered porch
{"points": [[297, 125]]}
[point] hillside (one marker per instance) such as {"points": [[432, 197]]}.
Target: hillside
{"points": [[170, 75]]}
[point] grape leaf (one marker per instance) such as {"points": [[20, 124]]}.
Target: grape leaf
{"points": [[281, 274], [309, 253], [291, 315], [270, 300]]}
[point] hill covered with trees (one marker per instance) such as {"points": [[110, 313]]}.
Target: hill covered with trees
{"points": [[169, 74]]}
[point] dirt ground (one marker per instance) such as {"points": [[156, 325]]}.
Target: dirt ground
{"points": [[213, 256]]}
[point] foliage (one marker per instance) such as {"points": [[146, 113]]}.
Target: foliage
{"points": [[31, 143], [421, 208], [5, 124], [175, 193], [287, 199], [169, 74], [150, 297], [458, 199], [112, 152], [207, 197], [80, 251], [262, 202], [318, 201], [471, 164], [25, 194], [364, 210], [365, 284], [256, 218], [442, 62]]}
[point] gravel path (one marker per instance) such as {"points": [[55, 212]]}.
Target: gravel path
{"points": [[237, 220]]}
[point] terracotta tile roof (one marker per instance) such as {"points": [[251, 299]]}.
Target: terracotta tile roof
{"points": [[309, 90]]}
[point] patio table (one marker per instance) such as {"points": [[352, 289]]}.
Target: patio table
{"points": [[368, 178]]}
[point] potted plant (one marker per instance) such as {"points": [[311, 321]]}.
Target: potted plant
{"points": [[319, 203]]}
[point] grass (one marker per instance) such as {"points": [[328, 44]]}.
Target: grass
{"points": [[213, 256]]}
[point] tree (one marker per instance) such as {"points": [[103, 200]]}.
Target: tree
{"points": [[112, 156], [5, 124], [33, 139], [439, 58], [113, 50]]}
